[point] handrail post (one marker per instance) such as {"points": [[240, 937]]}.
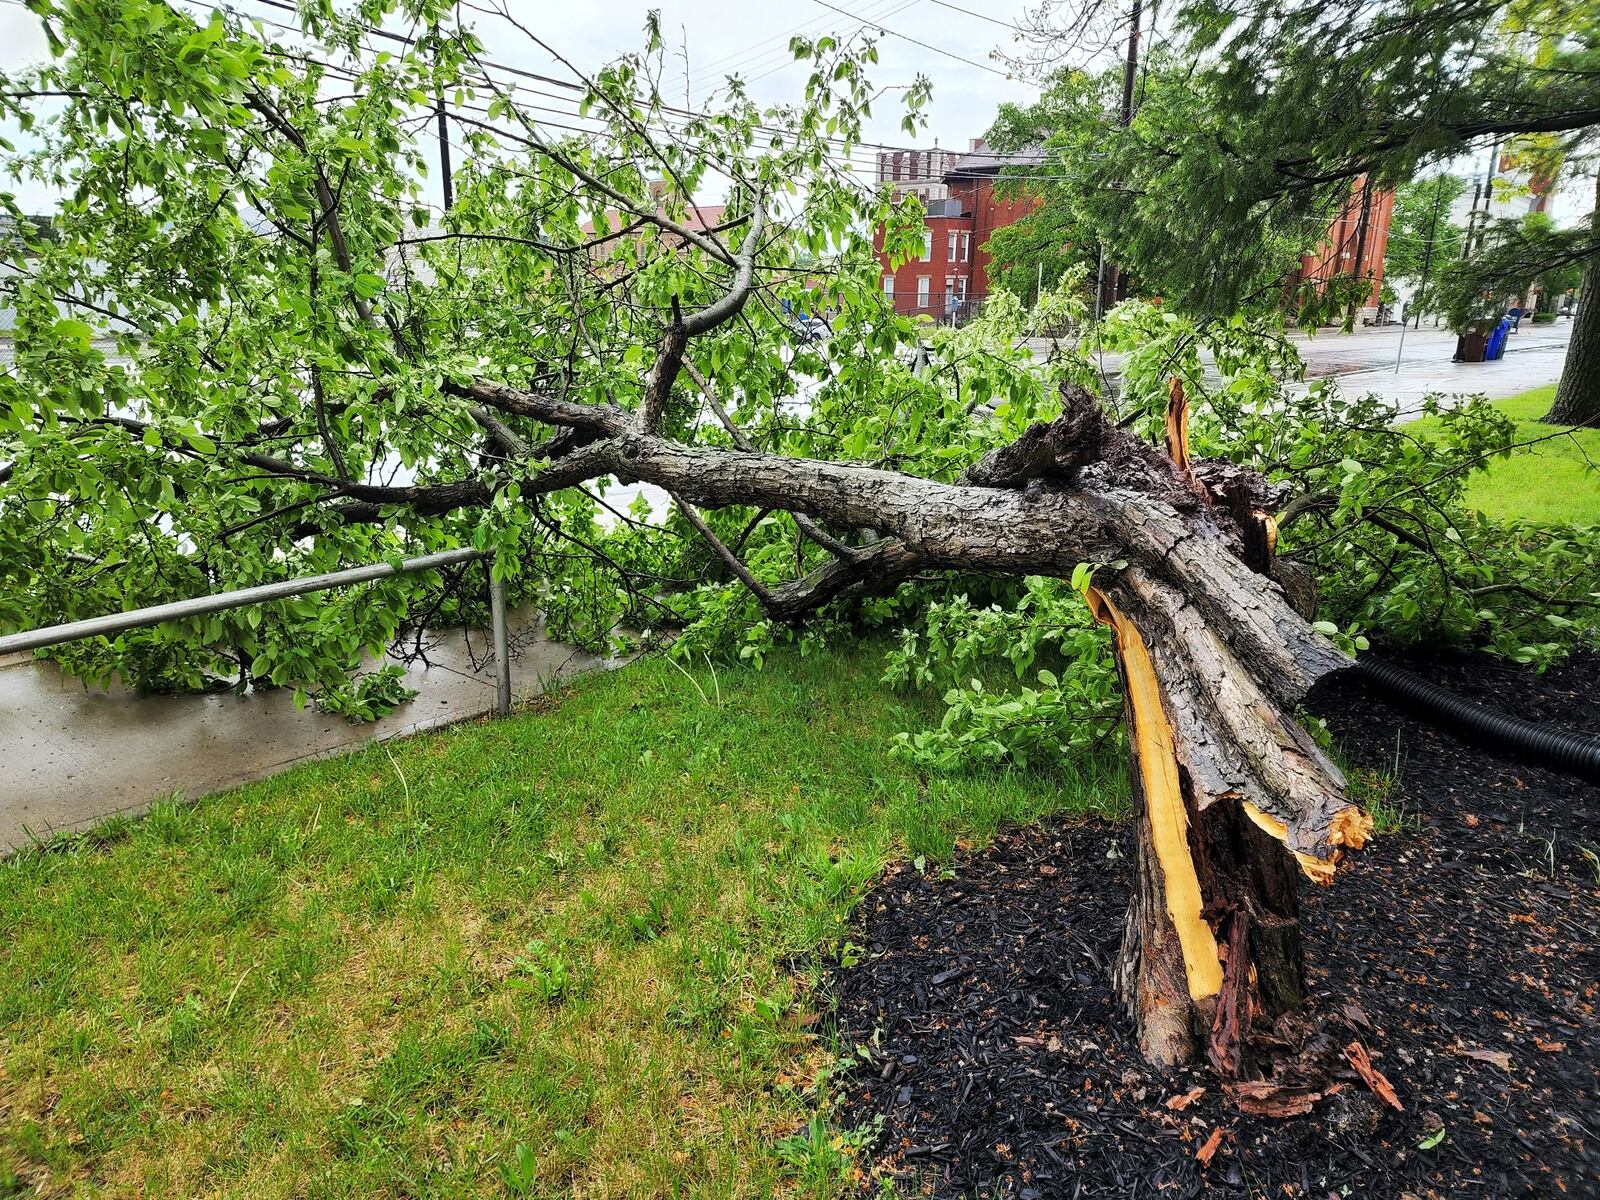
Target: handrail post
{"points": [[502, 653]]}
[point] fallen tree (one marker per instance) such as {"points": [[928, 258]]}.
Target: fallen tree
{"points": [[235, 361], [1236, 800]]}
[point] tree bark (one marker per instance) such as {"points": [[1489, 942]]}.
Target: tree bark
{"points": [[1578, 392]]}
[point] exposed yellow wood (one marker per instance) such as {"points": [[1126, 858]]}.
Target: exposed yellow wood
{"points": [[1318, 870], [1163, 803], [1350, 828], [1177, 424], [1271, 523]]}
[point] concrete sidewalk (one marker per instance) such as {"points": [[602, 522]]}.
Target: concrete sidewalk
{"points": [[71, 755]]}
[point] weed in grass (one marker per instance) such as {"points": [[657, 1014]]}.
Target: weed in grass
{"points": [[823, 1160], [542, 974], [520, 1172], [1374, 792]]}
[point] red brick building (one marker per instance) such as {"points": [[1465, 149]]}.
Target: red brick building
{"points": [[1357, 241], [951, 274], [938, 282]]}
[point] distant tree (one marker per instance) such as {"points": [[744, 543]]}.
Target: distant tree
{"points": [[1423, 241], [1281, 107], [1037, 252], [1556, 277], [1511, 258], [1098, 189]]}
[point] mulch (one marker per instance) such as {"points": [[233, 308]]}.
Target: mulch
{"points": [[1462, 949]]}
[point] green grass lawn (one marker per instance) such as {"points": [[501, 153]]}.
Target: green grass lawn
{"points": [[1550, 483], [589, 930]]}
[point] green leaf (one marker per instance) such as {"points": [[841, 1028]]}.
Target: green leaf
{"points": [[69, 330]]}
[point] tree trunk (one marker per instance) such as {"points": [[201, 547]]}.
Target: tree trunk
{"points": [[1236, 801], [1578, 393], [1212, 933]]}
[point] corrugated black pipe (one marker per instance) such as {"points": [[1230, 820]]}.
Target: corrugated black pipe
{"points": [[1562, 749]]}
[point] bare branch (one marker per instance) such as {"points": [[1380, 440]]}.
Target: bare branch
{"points": [[740, 439], [664, 371], [740, 571]]}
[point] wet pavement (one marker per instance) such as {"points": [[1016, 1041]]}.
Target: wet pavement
{"points": [[72, 754], [1365, 362]]}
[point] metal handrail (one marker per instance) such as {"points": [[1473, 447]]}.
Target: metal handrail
{"points": [[199, 606]]}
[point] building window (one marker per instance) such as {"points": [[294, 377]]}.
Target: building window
{"points": [[888, 286], [961, 287], [923, 283], [966, 247], [927, 245], [950, 250]]}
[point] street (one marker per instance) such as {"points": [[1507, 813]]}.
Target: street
{"points": [[1365, 361]]}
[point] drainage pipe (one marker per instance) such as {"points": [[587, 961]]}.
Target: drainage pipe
{"points": [[1562, 749]]}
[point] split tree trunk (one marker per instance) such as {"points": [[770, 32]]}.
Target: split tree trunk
{"points": [[1236, 801]]}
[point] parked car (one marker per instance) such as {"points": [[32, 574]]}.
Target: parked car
{"points": [[811, 329]]}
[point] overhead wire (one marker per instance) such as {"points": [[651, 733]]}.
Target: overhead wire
{"points": [[757, 56], [578, 90], [905, 37]]}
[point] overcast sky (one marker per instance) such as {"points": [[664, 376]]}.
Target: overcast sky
{"points": [[721, 36], [744, 36]]}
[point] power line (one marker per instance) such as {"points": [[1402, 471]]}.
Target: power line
{"points": [[753, 57], [979, 15], [521, 73], [925, 45], [784, 62]]}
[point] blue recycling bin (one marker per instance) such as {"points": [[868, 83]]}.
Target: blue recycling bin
{"points": [[1497, 341]]}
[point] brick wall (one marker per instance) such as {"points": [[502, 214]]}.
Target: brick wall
{"points": [[1337, 254], [948, 277]]}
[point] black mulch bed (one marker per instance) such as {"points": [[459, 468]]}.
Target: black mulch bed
{"points": [[992, 1050]]}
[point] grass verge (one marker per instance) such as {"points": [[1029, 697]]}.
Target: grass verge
{"points": [[561, 953], [1550, 483]]}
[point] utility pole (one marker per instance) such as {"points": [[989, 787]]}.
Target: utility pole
{"points": [[1131, 67], [444, 156], [444, 143], [1487, 192], [1427, 266], [1361, 229], [1110, 279]]}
